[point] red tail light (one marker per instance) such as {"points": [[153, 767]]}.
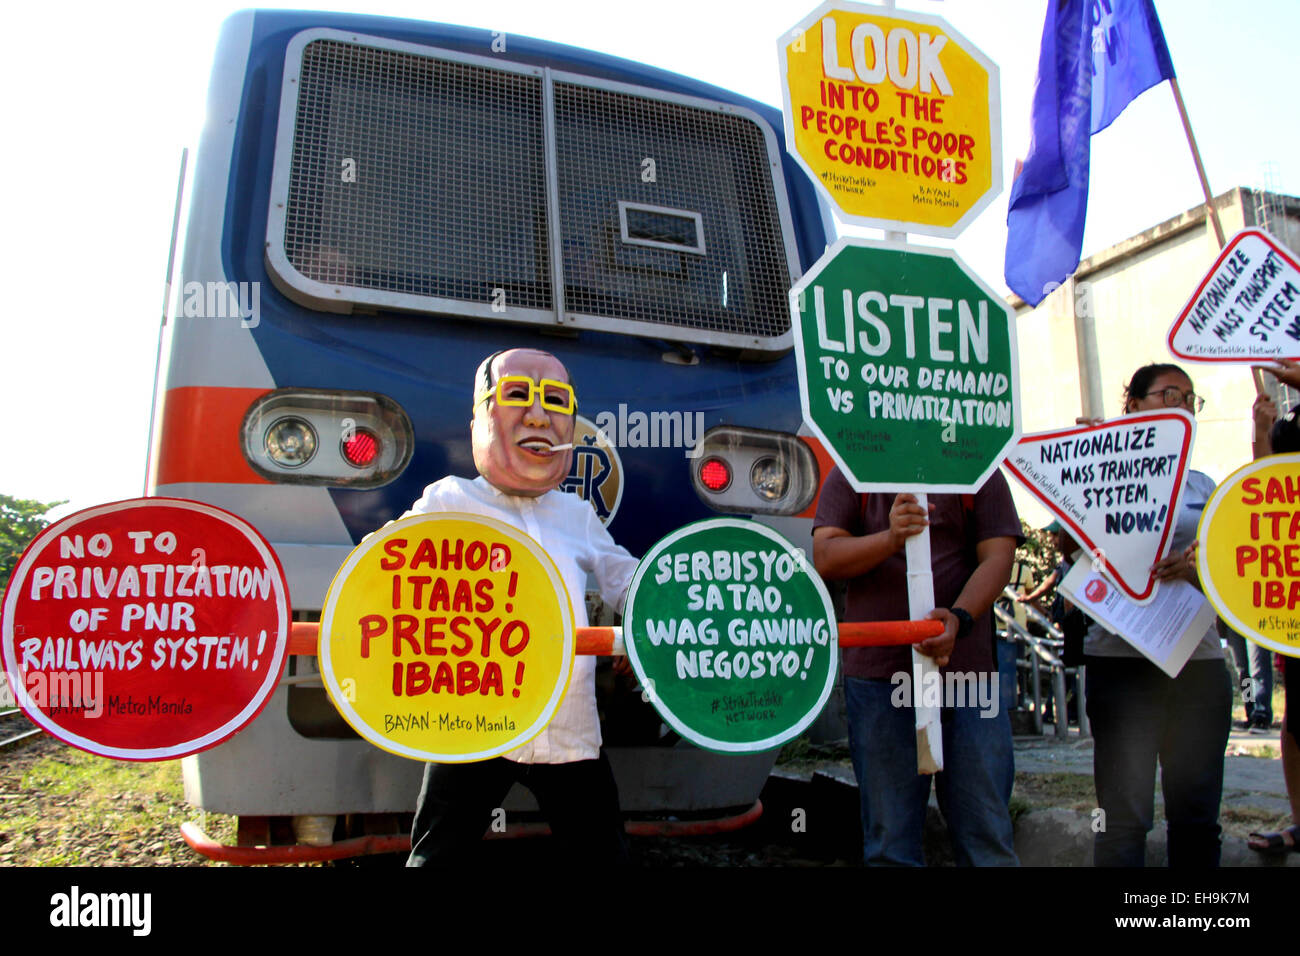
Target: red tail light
{"points": [[361, 449], [715, 474]]}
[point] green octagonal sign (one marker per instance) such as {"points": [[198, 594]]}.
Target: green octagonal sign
{"points": [[732, 634], [907, 366]]}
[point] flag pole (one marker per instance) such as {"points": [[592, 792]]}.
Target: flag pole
{"points": [[1196, 158], [1261, 387]]}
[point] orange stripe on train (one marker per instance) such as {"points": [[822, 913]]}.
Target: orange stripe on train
{"points": [[201, 438], [824, 464]]}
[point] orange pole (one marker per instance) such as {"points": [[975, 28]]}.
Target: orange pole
{"points": [[303, 636], [885, 633]]}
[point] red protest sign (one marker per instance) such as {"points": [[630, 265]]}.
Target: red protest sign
{"points": [[1116, 487], [146, 629]]}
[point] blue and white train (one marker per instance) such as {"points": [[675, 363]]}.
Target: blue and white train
{"points": [[377, 205]]}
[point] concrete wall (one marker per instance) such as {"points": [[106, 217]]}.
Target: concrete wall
{"points": [[1133, 291]]}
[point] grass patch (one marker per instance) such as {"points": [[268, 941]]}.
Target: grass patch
{"points": [[1240, 822], [102, 780], [71, 808], [801, 750], [1035, 791], [1267, 751], [1253, 818], [1017, 806]]}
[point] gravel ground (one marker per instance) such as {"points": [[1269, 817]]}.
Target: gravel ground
{"points": [[48, 817], [59, 806]]}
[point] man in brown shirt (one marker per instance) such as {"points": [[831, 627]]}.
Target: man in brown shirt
{"points": [[972, 545]]}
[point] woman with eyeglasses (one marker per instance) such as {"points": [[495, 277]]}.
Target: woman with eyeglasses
{"points": [[1140, 715]]}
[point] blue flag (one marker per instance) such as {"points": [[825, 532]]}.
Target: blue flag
{"points": [[1096, 58]]}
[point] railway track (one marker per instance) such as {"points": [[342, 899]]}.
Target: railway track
{"points": [[14, 727], [13, 739]]}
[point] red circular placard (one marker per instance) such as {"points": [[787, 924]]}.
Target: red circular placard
{"points": [[146, 629]]}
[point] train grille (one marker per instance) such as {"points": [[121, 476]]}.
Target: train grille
{"points": [[420, 181], [418, 176], [609, 144]]}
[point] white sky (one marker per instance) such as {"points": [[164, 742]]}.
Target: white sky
{"points": [[100, 99]]}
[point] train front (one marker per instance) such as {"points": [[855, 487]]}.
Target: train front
{"points": [[377, 205]]}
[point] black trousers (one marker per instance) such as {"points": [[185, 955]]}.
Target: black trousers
{"points": [[579, 800], [1140, 716]]}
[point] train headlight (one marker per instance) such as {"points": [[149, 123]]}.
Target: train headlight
{"points": [[770, 478], [328, 437], [291, 442]]}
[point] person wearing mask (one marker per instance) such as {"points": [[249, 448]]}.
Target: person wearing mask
{"points": [[522, 435]]}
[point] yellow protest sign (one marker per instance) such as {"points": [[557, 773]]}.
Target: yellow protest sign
{"points": [[1249, 552], [895, 115], [447, 637]]}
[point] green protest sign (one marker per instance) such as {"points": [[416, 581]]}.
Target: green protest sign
{"points": [[907, 367], [732, 634]]}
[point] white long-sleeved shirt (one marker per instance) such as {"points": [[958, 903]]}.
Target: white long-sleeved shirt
{"points": [[569, 531]]}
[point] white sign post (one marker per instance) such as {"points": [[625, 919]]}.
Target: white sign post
{"points": [[908, 375], [862, 133]]}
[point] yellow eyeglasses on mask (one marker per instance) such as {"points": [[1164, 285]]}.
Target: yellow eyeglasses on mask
{"points": [[520, 390]]}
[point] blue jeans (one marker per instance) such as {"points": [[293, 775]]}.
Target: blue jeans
{"points": [[973, 788], [1140, 716], [1254, 664]]}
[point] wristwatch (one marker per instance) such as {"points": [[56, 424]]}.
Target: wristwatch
{"points": [[964, 621]]}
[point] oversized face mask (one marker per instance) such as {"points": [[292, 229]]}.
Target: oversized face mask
{"points": [[518, 424]]}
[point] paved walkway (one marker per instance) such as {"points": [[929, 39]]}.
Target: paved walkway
{"points": [[1253, 789], [1253, 786], [1252, 770]]}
